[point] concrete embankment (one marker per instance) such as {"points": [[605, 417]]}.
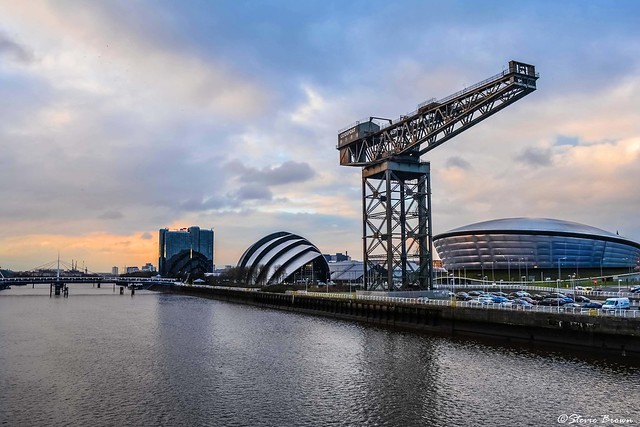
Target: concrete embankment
{"points": [[598, 334]]}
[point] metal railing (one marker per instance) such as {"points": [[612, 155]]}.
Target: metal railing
{"points": [[635, 314], [475, 304]]}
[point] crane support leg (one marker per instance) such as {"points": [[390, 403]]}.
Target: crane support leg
{"points": [[396, 209]]}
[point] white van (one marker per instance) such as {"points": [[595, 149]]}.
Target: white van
{"points": [[616, 304]]}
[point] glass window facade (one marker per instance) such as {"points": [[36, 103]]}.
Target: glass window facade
{"points": [[193, 239], [546, 244]]}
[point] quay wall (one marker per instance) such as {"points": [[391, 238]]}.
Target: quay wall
{"points": [[607, 335]]}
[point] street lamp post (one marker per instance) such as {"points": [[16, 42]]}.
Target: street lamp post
{"points": [[520, 270], [558, 281], [493, 271]]}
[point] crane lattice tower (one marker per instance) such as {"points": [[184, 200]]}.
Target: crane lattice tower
{"points": [[396, 185]]}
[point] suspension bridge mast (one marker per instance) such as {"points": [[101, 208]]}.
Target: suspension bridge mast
{"points": [[396, 184]]}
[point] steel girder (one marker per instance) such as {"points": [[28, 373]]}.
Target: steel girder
{"points": [[397, 242], [437, 121]]}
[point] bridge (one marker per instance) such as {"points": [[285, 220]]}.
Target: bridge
{"points": [[59, 284]]}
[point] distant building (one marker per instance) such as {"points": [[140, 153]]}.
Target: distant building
{"points": [[185, 251], [132, 270], [149, 267], [346, 271], [283, 257], [337, 257], [531, 248], [114, 271]]}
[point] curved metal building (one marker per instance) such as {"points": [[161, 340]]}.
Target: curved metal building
{"points": [[519, 243], [277, 257]]}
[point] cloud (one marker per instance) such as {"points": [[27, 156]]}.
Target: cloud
{"points": [[13, 50], [146, 236], [253, 191], [226, 116], [111, 215], [289, 172], [458, 162], [102, 48], [567, 140], [536, 157]]}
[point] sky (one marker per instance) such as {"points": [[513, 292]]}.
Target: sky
{"points": [[122, 117]]}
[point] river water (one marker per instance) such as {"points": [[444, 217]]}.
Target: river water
{"points": [[99, 358]]}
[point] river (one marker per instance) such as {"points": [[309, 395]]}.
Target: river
{"points": [[99, 358]]}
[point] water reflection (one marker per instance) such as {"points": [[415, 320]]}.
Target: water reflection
{"points": [[103, 359]]}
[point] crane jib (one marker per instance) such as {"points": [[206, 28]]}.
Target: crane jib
{"points": [[435, 121]]}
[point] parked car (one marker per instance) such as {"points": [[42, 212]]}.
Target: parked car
{"points": [[463, 296], [529, 300], [521, 303], [500, 294], [475, 293], [592, 305], [571, 306], [499, 299], [557, 295], [540, 297], [482, 300], [582, 298], [552, 301]]}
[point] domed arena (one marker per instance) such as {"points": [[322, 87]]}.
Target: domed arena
{"points": [[284, 257], [533, 248]]}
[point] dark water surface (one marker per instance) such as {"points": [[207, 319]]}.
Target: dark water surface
{"points": [[102, 359]]}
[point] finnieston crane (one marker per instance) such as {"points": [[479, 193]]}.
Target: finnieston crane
{"points": [[396, 185]]}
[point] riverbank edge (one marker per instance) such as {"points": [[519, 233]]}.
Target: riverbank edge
{"points": [[600, 335]]}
